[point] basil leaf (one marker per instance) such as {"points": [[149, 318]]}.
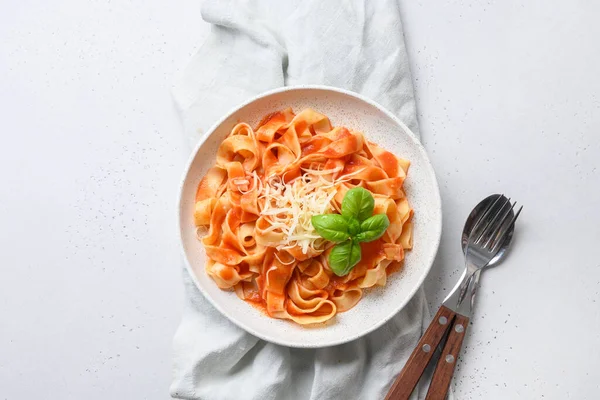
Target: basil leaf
{"points": [[373, 228], [353, 226], [332, 227], [358, 203], [343, 257]]}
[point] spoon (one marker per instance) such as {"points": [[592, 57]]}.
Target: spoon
{"points": [[475, 216], [488, 232], [496, 201]]}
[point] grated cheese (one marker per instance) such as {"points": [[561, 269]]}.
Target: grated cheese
{"points": [[290, 206]]}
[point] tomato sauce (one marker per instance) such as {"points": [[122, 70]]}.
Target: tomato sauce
{"points": [[275, 117], [335, 283], [389, 163], [370, 251]]}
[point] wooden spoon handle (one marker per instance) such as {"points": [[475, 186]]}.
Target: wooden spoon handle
{"points": [[442, 376], [417, 362]]}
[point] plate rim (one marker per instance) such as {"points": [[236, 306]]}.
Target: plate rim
{"points": [[435, 236]]}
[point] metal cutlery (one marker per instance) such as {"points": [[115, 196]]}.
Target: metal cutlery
{"points": [[488, 233]]}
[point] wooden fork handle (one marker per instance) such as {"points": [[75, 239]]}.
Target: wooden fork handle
{"points": [[417, 362], [442, 376]]}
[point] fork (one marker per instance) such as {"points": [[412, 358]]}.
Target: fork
{"points": [[485, 241]]}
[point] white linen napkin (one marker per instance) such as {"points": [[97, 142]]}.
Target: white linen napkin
{"points": [[254, 46]]}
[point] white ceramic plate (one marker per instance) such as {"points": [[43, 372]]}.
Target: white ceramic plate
{"points": [[379, 304]]}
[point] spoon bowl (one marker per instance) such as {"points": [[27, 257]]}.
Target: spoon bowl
{"points": [[496, 200]]}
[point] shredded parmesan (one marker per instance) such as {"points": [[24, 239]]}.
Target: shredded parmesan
{"points": [[244, 183], [290, 206]]}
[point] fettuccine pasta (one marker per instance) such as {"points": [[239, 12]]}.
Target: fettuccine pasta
{"points": [[253, 211]]}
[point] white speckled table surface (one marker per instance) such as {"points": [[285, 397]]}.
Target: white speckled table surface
{"points": [[508, 95]]}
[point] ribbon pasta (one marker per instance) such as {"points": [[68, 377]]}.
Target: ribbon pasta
{"points": [[255, 206]]}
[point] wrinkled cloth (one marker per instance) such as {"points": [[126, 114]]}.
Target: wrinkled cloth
{"points": [[255, 46]]}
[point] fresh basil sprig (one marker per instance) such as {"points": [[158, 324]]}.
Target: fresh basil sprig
{"points": [[332, 227], [373, 228], [344, 256], [355, 224], [358, 203]]}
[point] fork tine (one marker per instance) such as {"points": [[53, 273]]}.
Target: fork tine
{"points": [[484, 215], [478, 227], [504, 231], [494, 229], [485, 230]]}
